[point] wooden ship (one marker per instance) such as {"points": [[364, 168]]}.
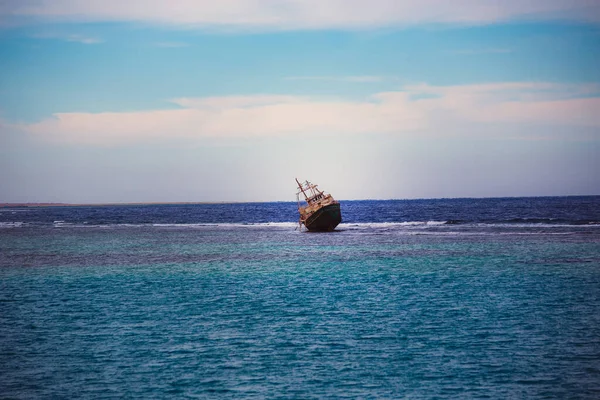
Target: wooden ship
{"points": [[321, 213]]}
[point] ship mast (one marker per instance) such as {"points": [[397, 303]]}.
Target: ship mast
{"points": [[314, 193], [302, 189]]}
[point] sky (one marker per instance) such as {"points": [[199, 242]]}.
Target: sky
{"points": [[230, 100]]}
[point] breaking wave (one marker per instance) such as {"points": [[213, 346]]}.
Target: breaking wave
{"points": [[11, 224], [438, 227]]}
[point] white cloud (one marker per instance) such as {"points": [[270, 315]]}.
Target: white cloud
{"points": [[530, 102], [238, 102], [416, 109], [302, 14], [356, 79], [83, 39], [75, 38]]}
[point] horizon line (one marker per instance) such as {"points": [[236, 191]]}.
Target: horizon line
{"points": [[61, 204]]}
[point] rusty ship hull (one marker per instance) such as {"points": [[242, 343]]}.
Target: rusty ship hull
{"points": [[325, 219]]}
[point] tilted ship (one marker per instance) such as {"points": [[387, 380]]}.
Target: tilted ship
{"points": [[321, 212]]}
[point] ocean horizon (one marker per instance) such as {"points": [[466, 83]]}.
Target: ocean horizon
{"points": [[117, 203]]}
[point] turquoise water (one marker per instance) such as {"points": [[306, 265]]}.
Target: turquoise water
{"points": [[255, 311]]}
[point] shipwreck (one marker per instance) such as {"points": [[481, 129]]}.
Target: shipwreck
{"points": [[321, 213]]}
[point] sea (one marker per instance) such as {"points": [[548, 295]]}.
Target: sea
{"points": [[420, 299]]}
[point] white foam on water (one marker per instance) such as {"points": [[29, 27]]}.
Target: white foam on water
{"points": [[280, 225], [230, 225], [11, 224], [63, 224], [389, 225], [407, 227], [530, 225]]}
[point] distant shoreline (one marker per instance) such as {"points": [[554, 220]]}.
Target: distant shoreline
{"points": [[7, 205]]}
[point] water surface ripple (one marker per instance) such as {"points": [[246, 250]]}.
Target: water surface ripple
{"points": [[265, 311]]}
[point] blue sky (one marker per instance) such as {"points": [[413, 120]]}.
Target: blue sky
{"points": [[191, 101]]}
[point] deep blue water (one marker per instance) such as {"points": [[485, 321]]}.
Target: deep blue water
{"points": [[582, 210], [452, 298]]}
